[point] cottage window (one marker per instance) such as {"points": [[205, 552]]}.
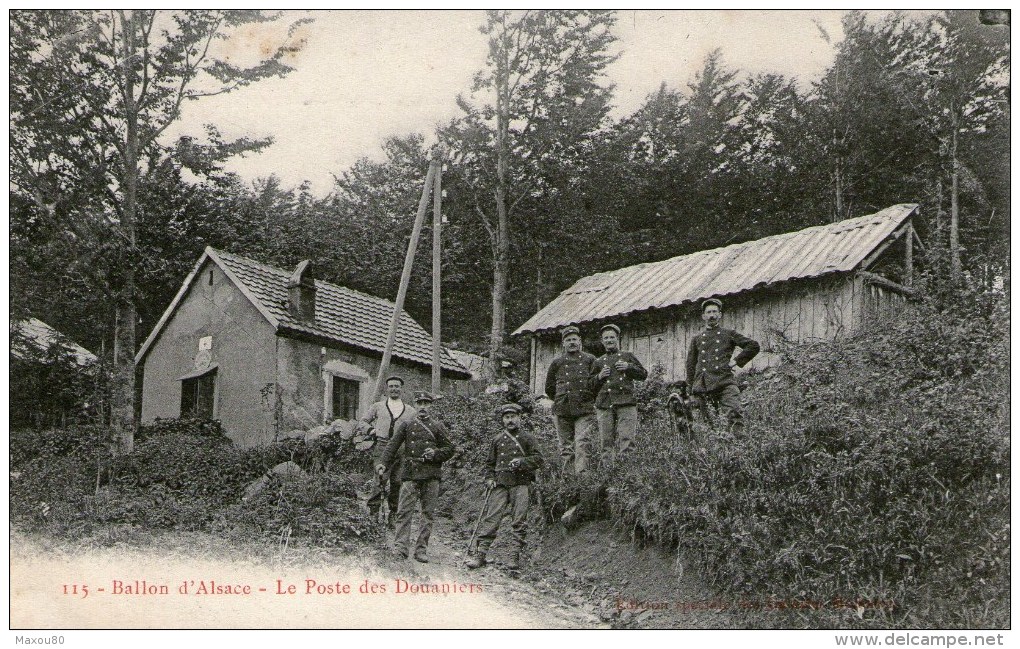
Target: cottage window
{"points": [[342, 382], [345, 398], [197, 395]]}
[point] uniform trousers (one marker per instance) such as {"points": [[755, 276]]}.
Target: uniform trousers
{"points": [[727, 400], [573, 435], [617, 427], [375, 498], [500, 498], [411, 492]]}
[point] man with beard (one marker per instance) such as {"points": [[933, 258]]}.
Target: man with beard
{"points": [[426, 445], [710, 364], [383, 417], [510, 469], [573, 410], [612, 379]]}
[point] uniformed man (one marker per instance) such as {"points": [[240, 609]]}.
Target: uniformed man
{"points": [[566, 383], [710, 364], [510, 469], [426, 445], [612, 379], [383, 416]]}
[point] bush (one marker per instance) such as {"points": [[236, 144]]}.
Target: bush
{"points": [[185, 474], [871, 468], [322, 510]]}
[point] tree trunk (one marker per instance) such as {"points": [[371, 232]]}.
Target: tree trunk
{"points": [[502, 252], [539, 279], [123, 389], [939, 220], [838, 177], [954, 214]]}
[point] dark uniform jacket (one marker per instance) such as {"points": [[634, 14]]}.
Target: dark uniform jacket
{"points": [[618, 388], [566, 383], [506, 447], [415, 436], [708, 358]]}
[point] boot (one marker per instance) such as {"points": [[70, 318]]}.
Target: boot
{"points": [[515, 561], [419, 556], [476, 560]]}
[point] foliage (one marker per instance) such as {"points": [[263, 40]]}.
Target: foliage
{"points": [[48, 386], [719, 158], [186, 474], [524, 141], [323, 511], [92, 92], [871, 468]]}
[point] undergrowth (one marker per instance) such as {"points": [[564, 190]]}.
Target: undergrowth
{"points": [[187, 475]]}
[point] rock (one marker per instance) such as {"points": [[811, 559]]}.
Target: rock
{"points": [[569, 517], [315, 433], [342, 427], [288, 470]]}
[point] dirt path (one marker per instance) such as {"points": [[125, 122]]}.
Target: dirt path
{"points": [[192, 580], [532, 598]]}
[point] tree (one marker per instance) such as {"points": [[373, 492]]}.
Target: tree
{"points": [[863, 125], [681, 148], [960, 71], [545, 98], [91, 95]]}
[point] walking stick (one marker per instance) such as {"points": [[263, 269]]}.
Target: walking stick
{"points": [[473, 543]]}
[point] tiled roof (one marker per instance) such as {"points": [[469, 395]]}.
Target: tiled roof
{"points": [[41, 335], [341, 314], [812, 252]]}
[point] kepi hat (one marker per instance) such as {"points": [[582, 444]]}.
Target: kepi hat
{"points": [[711, 300], [509, 407], [567, 331], [610, 326]]}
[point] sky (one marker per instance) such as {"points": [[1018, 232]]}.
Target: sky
{"points": [[363, 76]]}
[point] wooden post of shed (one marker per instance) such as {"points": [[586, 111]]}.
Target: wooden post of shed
{"points": [[908, 262], [533, 364]]}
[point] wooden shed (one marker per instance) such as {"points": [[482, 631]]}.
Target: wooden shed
{"points": [[822, 282]]}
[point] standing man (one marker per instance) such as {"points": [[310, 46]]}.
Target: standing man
{"points": [[612, 379], [383, 417], [573, 410], [510, 469], [426, 445], [710, 365]]}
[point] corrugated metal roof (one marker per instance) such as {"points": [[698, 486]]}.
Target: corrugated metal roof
{"points": [[341, 314], [812, 252], [41, 335]]}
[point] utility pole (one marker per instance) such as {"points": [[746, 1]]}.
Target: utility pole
{"points": [[405, 277], [437, 226]]}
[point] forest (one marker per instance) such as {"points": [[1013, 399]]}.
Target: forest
{"points": [[542, 186]]}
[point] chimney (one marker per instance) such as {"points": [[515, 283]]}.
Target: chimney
{"points": [[301, 293]]}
